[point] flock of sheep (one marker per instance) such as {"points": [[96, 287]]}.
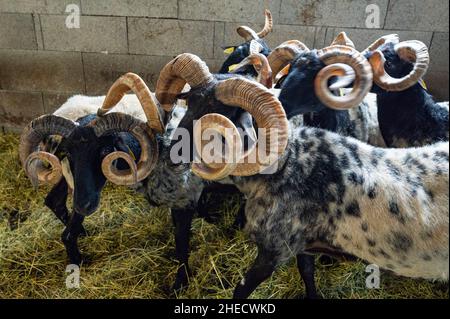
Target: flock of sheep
{"points": [[359, 164]]}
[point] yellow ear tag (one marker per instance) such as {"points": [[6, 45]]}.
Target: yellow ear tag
{"points": [[422, 84], [341, 92], [233, 67], [229, 50]]}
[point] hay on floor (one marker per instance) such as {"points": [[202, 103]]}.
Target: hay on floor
{"points": [[131, 248]]}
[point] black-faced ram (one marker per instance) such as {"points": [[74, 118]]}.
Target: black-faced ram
{"points": [[407, 113]]}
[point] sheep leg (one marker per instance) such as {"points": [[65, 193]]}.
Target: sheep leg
{"points": [[262, 268], [306, 267], [182, 220], [70, 238], [56, 201]]}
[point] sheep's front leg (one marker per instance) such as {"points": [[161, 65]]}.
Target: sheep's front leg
{"points": [[182, 220], [306, 267], [70, 238], [262, 268], [56, 200]]}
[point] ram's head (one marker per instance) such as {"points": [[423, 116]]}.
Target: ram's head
{"points": [[95, 149], [240, 52], [222, 102]]}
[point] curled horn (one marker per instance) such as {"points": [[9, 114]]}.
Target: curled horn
{"points": [[249, 34], [390, 38], [225, 128], [32, 159], [119, 122], [134, 82], [413, 51], [334, 57], [268, 114], [185, 68], [280, 57]]}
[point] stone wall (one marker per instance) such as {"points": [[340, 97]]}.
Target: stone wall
{"points": [[42, 62]]}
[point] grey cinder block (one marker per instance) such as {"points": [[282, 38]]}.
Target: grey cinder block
{"points": [[17, 109], [36, 6], [17, 31], [170, 37], [342, 13], [425, 15], [96, 34], [136, 8], [228, 11], [41, 71]]}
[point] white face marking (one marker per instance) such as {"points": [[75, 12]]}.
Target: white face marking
{"points": [[242, 283]]}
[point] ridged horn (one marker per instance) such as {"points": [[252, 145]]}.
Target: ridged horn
{"points": [[281, 56], [119, 122], [135, 83], [333, 57], [411, 51], [269, 115], [185, 68], [249, 34], [32, 158]]}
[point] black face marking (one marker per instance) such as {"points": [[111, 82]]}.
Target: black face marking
{"points": [[371, 242], [365, 227], [352, 209], [338, 214], [426, 257], [400, 242]]}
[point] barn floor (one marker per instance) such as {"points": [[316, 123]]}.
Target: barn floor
{"points": [[131, 250]]}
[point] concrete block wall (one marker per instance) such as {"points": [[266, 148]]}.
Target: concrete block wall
{"points": [[42, 62]]}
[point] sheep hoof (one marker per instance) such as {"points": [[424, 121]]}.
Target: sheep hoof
{"points": [[182, 279]]}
